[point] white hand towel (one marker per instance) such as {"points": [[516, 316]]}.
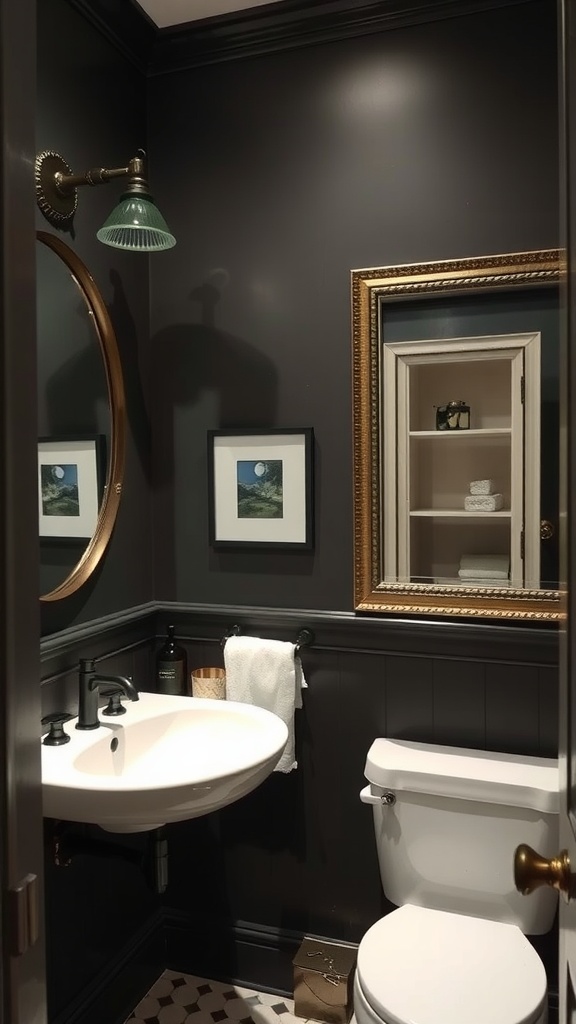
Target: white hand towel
{"points": [[483, 502], [486, 581], [482, 574], [481, 487], [266, 673], [486, 563]]}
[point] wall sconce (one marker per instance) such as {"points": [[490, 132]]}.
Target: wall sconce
{"points": [[135, 223]]}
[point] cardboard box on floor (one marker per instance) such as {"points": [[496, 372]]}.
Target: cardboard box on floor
{"points": [[323, 977]]}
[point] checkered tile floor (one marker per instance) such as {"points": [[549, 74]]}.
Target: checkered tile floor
{"points": [[183, 999]]}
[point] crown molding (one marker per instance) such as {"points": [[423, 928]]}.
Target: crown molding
{"points": [[263, 30], [294, 24], [122, 24]]}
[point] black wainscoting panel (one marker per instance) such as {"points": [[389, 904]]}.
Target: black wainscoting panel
{"points": [[272, 853], [459, 699], [548, 711], [512, 708], [298, 855], [94, 909], [409, 698], [322, 722], [300, 852], [361, 703]]}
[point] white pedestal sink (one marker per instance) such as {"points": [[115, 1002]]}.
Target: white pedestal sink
{"points": [[168, 758]]}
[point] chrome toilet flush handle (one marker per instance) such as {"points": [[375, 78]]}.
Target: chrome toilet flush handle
{"points": [[387, 798]]}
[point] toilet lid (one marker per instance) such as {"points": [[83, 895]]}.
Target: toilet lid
{"points": [[420, 966]]}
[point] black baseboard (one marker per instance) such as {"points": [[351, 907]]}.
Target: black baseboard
{"points": [[115, 991], [243, 954], [553, 1005]]}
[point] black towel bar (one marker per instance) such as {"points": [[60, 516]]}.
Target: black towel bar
{"points": [[305, 637]]}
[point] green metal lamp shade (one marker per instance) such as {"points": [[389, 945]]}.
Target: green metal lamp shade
{"points": [[136, 224]]}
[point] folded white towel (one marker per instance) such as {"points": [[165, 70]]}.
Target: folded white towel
{"points": [[482, 487], [482, 574], [483, 502], [487, 563], [485, 581], [269, 674]]}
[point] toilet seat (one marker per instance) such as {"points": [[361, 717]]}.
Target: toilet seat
{"points": [[432, 967], [364, 1014]]}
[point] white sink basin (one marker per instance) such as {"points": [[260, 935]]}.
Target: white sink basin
{"points": [[168, 758]]}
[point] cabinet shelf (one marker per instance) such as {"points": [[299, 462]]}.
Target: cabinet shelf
{"points": [[482, 432], [427, 526], [457, 513]]}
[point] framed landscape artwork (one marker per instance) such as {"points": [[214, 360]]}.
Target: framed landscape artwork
{"points": [[69, 486], [260, 488]]}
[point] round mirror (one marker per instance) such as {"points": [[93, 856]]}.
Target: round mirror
{"points": [[81, 420]]}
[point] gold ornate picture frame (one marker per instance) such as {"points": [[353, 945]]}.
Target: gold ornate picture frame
{"points": [[376, 293]]}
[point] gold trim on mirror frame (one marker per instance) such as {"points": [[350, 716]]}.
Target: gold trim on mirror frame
{"points": [[116, 397], [451, 277]]}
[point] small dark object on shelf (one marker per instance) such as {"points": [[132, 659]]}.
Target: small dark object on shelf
{"points": [[454, 416]]}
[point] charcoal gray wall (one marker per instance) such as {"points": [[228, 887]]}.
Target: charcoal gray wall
{"points": [[91, 110], [280, 174]]}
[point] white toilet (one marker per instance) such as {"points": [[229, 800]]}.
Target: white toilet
{"points": [[447, 822]]}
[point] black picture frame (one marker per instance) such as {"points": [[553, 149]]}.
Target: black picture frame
{"points": [[260, 488], [84, 457]]}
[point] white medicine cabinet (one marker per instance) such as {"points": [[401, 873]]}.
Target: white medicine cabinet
{"points": [[456, 433], [428, 471]]}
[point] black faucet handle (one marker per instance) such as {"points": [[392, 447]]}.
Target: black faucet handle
{"points": [[56, 736], [115, 705]]}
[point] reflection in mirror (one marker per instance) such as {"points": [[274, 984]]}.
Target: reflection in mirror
{"points": [[456, 437], [81, 420]]}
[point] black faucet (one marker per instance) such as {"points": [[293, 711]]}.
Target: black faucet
{"points": [[89, 682]]}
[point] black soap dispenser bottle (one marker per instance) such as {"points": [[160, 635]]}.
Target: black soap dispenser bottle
{"points": [[171, 673]]}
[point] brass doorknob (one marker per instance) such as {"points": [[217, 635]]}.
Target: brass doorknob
{"points": [[531, 871]]}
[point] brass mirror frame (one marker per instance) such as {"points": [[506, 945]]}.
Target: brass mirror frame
{"points": [[370, 289], [117, 402]]}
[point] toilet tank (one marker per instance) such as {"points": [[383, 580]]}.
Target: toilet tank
{"points": [[454, 817]]}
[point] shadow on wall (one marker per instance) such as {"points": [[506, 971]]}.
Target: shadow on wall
{"points": [[188, 362], [190, 358], [76, 396], [127, 339]]}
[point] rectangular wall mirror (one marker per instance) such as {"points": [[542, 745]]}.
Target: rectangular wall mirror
{"points": [[456, 437]]}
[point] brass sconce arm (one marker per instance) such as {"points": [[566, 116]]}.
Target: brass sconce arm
{"points": [[135, 223], [66, 184], [57, 186]]}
